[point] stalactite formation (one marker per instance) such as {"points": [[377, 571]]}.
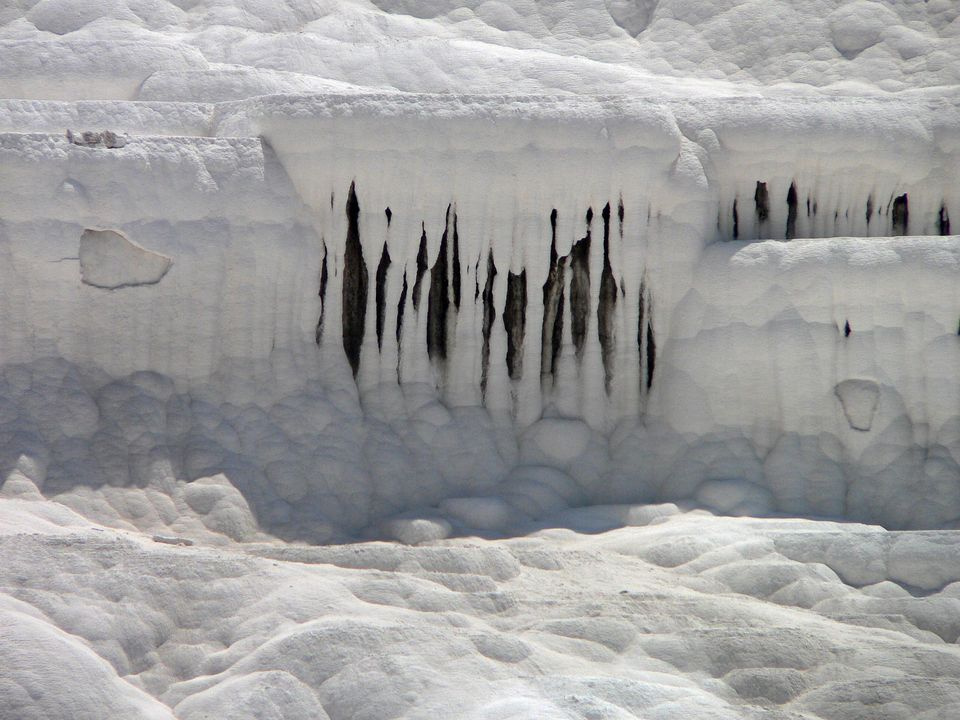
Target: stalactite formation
{"points": [[381, 298], [488, 315], [421, 268], [438, 301], [355, 279], [580, 288], [791, 231], [900, 216], [606, 309], [323, 295], [515, 321], [761, 199]]}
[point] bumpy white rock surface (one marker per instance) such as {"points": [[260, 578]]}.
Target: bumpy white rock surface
{"points": [[492, 301]]}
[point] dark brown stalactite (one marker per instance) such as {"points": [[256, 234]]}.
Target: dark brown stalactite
{"points": [[580, 288], [900, 217], [421, 267], [515, 321], [791, 212], [736, 221], [438, 301], [943, 221], [355, 281], [761, 198], [607, 306], [381, 298], [323, 294], [551, 333], [488, 316]]}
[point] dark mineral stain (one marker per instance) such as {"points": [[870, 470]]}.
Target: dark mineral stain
{"points": [[645, 339], [355, 281], [456, 264], [761, 198], [900, 217], [488, 315], [736, 221], [580, 288], [515, 321], [943, 221], [322, 294], [421, 267], [869, 208], [389, 213], [438, 301], [551, 333], [791, 212], [400, 307], [607, 306], [651, 354], [847, 329], [381, 298], [641, 319]]}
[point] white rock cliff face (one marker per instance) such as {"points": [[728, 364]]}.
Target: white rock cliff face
{"points": [[502, 260]]}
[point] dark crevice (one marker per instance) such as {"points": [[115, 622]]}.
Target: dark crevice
{"points": [[620, 214], [736, 221], [761, 199], [791, 212], [847, 329], [381, 298], [488, 316], [421, 267], [355, 281], [580, 288], [323, 294], [869, 208], [607, 306], [900, 216], [438, 301], [943, 221], [808, 206], [456, 264], [551, 333], [515, 321], [389, 213]]}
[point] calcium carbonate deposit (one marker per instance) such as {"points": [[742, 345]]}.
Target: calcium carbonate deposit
{"points": [[548, 359]]}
